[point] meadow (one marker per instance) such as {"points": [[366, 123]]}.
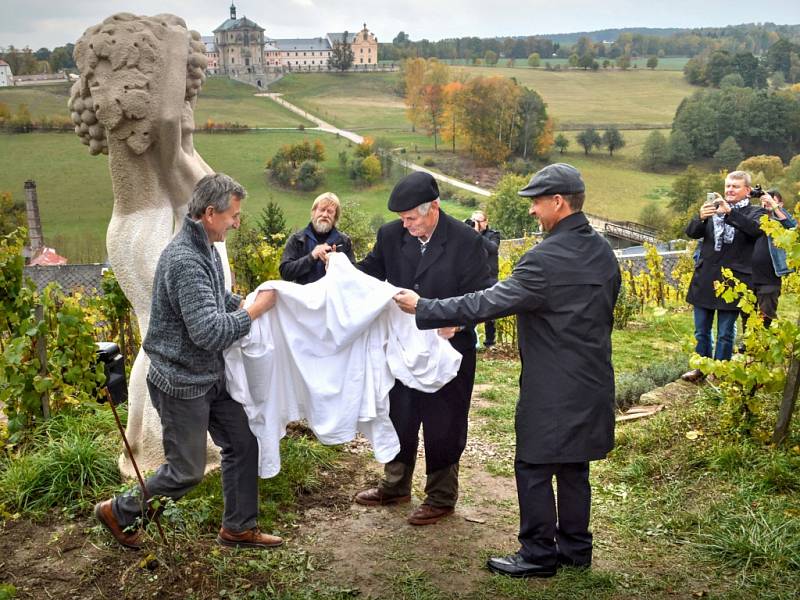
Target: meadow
{"points": [[668, 63]]}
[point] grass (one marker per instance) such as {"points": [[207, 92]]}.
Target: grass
{"points": [[669, 63], [75, 196], [221, 100]]}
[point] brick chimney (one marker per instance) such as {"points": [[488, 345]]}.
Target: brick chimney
{"points": [[34, 221]]}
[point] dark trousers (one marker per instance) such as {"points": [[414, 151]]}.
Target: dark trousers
{"points": [[184, 425], [443, 418], [551, 529], [488, 327]]}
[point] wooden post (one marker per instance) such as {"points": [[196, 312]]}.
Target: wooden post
{"points": [[41, 353], [789, 398]]}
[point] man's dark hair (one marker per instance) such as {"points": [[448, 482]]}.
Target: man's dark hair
{"points": [[575, 201]]}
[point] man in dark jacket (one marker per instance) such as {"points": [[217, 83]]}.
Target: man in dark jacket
{"points": [[491, 241], [563, 292], [306, 252], [727, 229], [437, 256]]}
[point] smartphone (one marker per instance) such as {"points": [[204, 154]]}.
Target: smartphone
{"points": [[710, 197]]}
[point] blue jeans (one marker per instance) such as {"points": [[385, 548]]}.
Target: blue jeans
{"points": [[726, 332]]}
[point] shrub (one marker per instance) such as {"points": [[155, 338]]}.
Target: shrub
{"points": [[310, 175], [371, 170], [429, 162]]}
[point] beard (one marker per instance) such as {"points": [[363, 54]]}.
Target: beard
{"points": [[321, 226]]}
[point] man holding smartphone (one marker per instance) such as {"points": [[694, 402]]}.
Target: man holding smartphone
{"points": [[727, 229]]}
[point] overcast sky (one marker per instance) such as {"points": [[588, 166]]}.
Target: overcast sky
{"points": [[51, 23]]}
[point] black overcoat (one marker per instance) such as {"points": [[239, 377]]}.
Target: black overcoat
{"points": [[736, 256], [299, 266], [563, 292]]}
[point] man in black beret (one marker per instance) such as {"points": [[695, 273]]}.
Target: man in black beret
{"points": [[563, 292], [437, 256]]}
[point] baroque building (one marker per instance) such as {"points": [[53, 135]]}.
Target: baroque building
{"points": [[240, 50]]}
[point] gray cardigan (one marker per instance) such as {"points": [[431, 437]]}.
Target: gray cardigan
{"points": [[193, 317]]}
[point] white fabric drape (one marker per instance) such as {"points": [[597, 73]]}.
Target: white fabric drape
{"points": [[329, 352]]}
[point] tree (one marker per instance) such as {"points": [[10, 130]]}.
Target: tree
{"points": [[413, 71], [341, 54], [371, 170], [534, 59], [12, 214], [679, 149], [687, 189], [588, 139], [562, 142], [770, 167], [624, 62], [652, 62], [586, 61], [573, 60], [433, 101], [355, 222], [613, 140], [532, 118], [272, 224], [654, 154], [490, 57], [509, 211], [652, 216], [729, 154], [731, 80], [453, 112]]}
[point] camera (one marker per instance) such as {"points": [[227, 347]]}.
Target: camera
{"points": [[470, 222], [756, 192], [114, 367]]}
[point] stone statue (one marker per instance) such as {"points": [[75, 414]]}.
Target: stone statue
{"points": [[135, 102]]}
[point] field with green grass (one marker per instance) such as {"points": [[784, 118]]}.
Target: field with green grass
{"points": [[669, 63], [221, 100], [75, 196]]}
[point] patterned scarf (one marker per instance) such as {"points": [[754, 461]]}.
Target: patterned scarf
{"points": [[723, 233]]}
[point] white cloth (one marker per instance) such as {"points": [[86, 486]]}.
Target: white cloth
{"points": [[329, 352]]}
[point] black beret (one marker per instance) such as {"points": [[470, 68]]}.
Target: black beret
{"points": [[558, 178], [412, 190]]}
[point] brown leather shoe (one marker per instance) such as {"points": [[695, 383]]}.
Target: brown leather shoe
{"points": [[129, 539], [693, 376], [251, 538], [426, 514], [376, 497]]}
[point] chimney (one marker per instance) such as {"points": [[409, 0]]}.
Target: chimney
{"points": [[34, 221]]}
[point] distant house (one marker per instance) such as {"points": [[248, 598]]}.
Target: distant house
{"points": [[6, 76], [363, 43], [212, 56], [315, 53]]}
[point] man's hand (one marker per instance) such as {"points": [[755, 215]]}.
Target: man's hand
{"points": [[407, 301], [265, 300], [708, 209], [321, 252], [448, 332]]}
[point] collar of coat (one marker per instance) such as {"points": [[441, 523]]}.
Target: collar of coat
{"points": [[572, 221], [196, 235]]}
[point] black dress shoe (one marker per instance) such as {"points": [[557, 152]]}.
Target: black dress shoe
{"points": [[514, 565]]}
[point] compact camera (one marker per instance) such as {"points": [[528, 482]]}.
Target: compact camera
{"points": [[470, 222], [756, 192], [114, 366]]}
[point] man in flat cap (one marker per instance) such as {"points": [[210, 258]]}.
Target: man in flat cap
{"points": [[563, 292], [437, 256]]}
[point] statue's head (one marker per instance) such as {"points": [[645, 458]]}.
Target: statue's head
{"points": [[129, 68]]}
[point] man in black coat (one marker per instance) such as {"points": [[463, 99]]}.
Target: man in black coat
{"points": [[563, 292], [491, 241], [306, 252], [437, 256], [727, 229]]}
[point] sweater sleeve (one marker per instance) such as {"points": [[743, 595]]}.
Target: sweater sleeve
{"points": [[192, 293]]}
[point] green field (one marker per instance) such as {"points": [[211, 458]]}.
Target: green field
{"points": [[221, 100], [75, 194], [367, 101], [669, 63]]}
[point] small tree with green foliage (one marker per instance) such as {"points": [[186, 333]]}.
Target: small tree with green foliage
{"points": [[613, 140], [624, 62], [534, 60], [561, 142], [679, 149], [729, 154], [507, 210], [341, 57], [12, 214], [371, 170], [490, 58], [589, 138], [272, 224], [687, 189], [655, 153], [652, 62]]}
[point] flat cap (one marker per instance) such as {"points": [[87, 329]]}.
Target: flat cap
{"points": [[412, 190], [558, 178]]}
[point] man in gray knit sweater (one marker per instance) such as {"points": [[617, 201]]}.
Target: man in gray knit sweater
{"points": [[194, 318]]}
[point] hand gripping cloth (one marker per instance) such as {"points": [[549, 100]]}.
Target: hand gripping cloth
{"points": [[329, 352]]}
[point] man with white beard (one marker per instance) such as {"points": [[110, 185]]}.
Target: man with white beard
{"points": [[306, 252]]}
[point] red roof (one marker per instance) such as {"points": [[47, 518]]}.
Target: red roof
{"points": [[47, 257]]}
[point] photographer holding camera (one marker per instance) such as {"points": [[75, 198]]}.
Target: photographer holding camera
{"points": [[769, 262], [727, 229], [491, 241]]}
